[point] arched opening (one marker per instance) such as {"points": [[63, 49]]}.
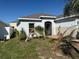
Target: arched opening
{"points": [[48, 28]]}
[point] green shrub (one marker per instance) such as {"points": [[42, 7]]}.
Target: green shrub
{"points": [[39, 29], [15, 33], [22, 35]]}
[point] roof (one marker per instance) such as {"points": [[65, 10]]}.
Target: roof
{"points": [[46, 16], [37, 15], [59, 16], [71, 16], [66, 18]]}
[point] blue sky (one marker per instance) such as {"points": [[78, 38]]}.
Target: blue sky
{"points": [[10, 10]]}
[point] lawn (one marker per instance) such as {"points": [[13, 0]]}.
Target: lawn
{"points": [[34, 49], [15, 49]]}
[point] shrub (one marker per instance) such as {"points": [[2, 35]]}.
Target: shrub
{"points": [[15, 33], [66, 44], [22, 35], [39, 29]]}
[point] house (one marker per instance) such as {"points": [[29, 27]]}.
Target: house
{"points": [[44, 20], [48, 22]]}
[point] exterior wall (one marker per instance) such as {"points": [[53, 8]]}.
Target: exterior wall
{"points": [[5, 32], [65, 25], [13, 25], [25, 25]]}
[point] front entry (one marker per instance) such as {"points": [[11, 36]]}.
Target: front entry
{"points": [[48, 28]]}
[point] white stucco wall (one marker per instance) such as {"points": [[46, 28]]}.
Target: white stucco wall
{"points": [[25, 25], [66, 24]]}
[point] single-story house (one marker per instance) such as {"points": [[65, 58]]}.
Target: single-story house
{"points": [[48, 22], [44, 20]]}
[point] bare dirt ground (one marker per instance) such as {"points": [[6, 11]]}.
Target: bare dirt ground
{"points": [[48, 50]]}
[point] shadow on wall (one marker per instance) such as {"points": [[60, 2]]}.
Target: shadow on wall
{"points": [[3, 32]]}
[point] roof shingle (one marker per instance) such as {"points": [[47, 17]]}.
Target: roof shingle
{"points": [[36, 15]]}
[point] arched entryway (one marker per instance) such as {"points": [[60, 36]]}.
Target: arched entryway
{"points": [[48, 28]]}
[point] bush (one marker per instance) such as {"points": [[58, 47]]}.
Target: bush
{"points": [[22, 35], [15, 33], [39, 29]]}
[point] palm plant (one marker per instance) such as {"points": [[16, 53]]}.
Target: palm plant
{"points": [[67, 44]]}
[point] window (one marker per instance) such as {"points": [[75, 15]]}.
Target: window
{"points": [[31, 27]]}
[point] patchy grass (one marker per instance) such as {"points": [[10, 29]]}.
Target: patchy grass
{"points": [[34, 49], [14, 49]]}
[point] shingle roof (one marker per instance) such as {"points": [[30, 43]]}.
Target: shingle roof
{"points": [[36, 15], [59, 16]]}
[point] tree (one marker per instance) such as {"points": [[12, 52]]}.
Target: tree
{"points": [[71, 7]]}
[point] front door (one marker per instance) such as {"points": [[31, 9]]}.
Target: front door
{"points": [[48, 28]]}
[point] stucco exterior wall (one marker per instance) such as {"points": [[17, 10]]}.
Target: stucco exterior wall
{"points": [[65, 25], [25, 25]]}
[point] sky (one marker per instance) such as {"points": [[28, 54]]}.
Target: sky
{"points": [[10, 10]]}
